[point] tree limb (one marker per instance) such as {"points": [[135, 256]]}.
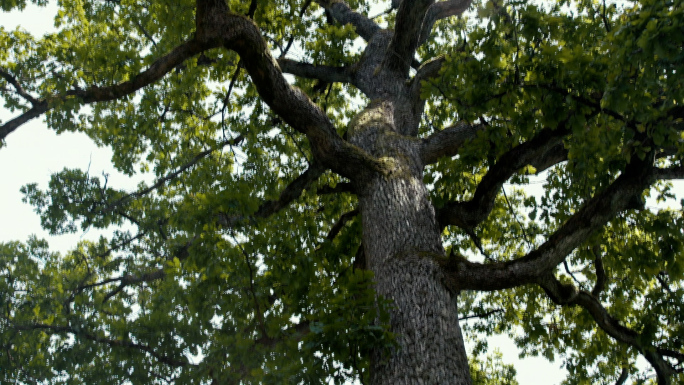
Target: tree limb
{"points": [[290, 193], [624, 193], [669, 173], [438, 11], [545, 148], [339, 9], [448, 141], [568, 294], [94, 94], [19, 89], [403, 45], [327, 74]]}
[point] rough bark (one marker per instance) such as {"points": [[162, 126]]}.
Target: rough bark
{"points": [[401, 238]]}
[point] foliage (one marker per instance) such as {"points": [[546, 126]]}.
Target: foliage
{"points": [[214, 273]]}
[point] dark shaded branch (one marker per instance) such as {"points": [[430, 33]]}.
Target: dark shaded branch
{"points": [[426, 71], [482, 315], [438, 11], [448, 141], [342, 187], [407, 29], [18, 88], [601, 278], [325, 73], [544, 148], [102, 94], [289, 194], [240, 34], [669, 173], [339, 225], [623, 377], [568, 294], [363, 25], [624, 193]]}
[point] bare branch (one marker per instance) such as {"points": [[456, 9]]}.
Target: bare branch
{"points": [[448, 141], [482, 315], [427, 70], [364, 26], [325, 73], [441, 10], [568, 294], [339, 225], [408, 25]]}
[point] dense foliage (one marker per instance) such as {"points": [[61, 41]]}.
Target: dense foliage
{"points": [[242, 260]]}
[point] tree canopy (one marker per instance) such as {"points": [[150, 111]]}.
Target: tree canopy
{"points": [[308, 153]]}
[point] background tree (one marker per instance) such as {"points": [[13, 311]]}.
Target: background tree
{"points": [[336, 222]]}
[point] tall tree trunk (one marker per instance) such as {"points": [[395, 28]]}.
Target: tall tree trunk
{"points": [[400, 237]]}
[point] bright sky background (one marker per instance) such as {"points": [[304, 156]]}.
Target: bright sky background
{"points": [[33, 153]]}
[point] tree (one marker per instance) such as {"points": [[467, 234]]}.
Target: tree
{"points": [[332, 192]]}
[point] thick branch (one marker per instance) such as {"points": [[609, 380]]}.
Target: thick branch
{"points": [[364, 26], [439, 11], [325, 73], [567, 294], [624, 193], [408, 25], [669, 173], [240, 34], [448, 141], [426, 71], [102, 94], [543, 149], [289, 194]]}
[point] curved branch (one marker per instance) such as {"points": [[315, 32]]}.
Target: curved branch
{"points": [[624, 193], [407, 29], [241, 35], [289, 194], [94, 94], [568, 294], [439, 11], [19, 89], [321, 72], [364, 26], [543, 150], [448, 141]]}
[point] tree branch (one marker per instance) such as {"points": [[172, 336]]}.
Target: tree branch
{"points": [[448, 141], [624, 193], [19, 89], [543, 149], [240, 34], [438, 11], [290, 193], [321, 72], [111, 342], [403, 45], [102, 94], [364, 26], [568, 294], [669, 173]]}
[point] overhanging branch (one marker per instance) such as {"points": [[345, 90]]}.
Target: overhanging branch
{"points": [[544, 150], [324, 73], [340, 10]]}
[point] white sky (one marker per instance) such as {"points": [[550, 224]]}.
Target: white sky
{"points": [[32, 153]]}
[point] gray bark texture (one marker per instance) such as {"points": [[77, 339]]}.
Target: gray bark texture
{"points": [[401, 238]]}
